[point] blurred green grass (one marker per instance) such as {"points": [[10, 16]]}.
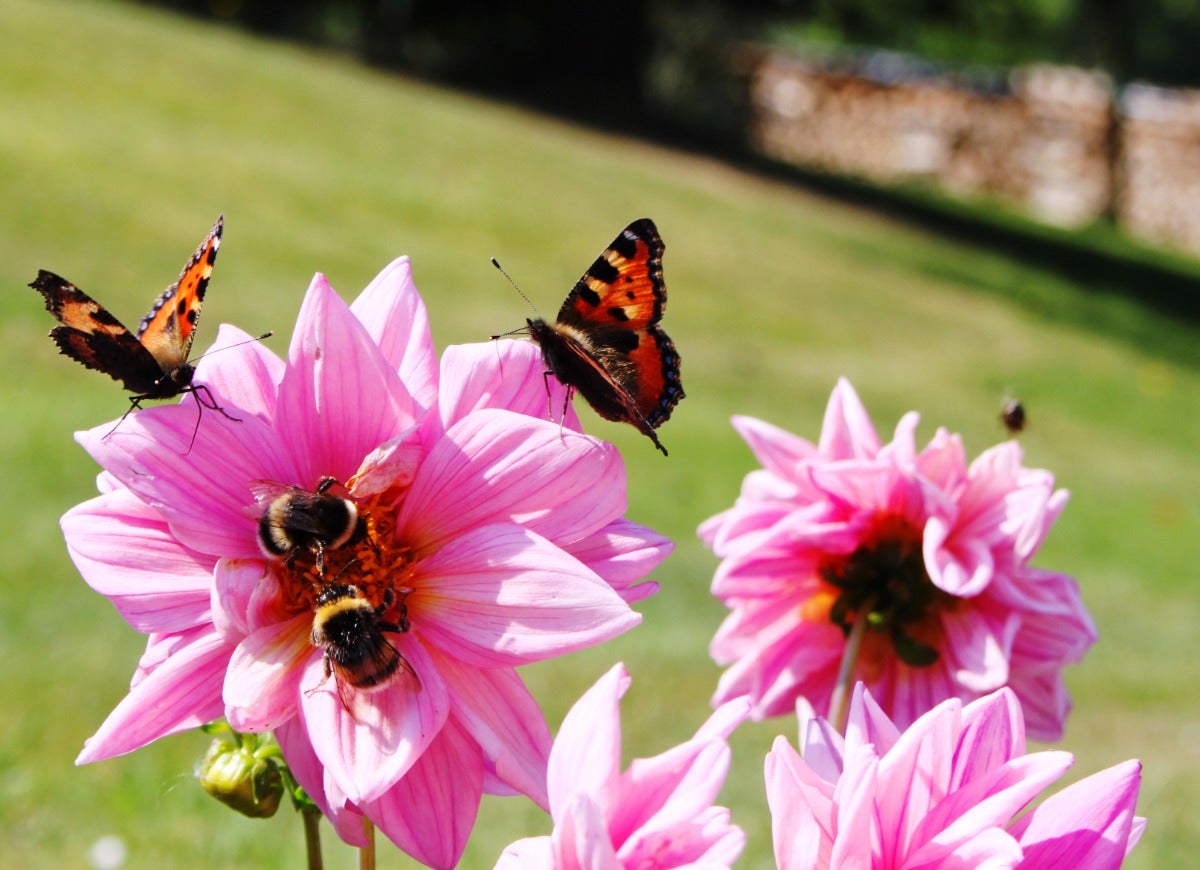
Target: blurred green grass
{"points": [[124, 131]]}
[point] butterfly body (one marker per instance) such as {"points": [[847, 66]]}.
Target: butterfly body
{"points": [[606, 342], [153, 364]]}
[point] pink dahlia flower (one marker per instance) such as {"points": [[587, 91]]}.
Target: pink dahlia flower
{"points": [[488, 537], [930, 552], [657, 814], [945, 793]]}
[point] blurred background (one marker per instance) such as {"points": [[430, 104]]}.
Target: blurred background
{"points": [[950, 203]]}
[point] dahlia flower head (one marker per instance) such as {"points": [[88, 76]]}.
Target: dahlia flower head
{"points": [[656, 815], [490, 537], [932, 552], [946, 793]]}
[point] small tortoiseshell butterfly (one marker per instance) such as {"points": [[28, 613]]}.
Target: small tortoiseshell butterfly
{"points": [[606, 342], [154, 363]]}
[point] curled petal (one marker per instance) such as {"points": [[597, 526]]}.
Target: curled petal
{"points": [[262, 685]]}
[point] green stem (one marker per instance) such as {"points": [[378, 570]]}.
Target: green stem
{"points": [[312, 838], [843, 690], [366, 855]]}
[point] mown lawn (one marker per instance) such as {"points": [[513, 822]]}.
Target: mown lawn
{"points": [[125, 131]]}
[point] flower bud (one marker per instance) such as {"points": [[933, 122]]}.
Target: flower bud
{"points": [[239, 777]]}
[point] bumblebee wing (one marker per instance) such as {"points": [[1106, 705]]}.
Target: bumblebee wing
{"points": [[266, 491]]}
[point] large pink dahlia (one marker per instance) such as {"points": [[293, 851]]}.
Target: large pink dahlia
{"points": [[927, 554], [656, 815], [949, 792], [487, 537]]}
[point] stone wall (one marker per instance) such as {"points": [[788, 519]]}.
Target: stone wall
{"points": [[1057, 141]]}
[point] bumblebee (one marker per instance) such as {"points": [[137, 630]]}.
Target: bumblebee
{"points": [[1012, 415], [295, 519], [351, 632]]}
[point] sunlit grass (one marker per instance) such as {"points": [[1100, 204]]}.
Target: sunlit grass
{"points": [[124, 131]]}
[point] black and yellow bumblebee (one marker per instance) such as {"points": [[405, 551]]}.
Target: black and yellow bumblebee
{"points": [[351, 631], [295, 519]]}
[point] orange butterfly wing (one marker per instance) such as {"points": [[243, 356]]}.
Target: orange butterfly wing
{"points": [[606, 343], [93, 337], [153, 364], [624, 287], [169, 327]]}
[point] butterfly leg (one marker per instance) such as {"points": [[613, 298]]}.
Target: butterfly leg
{"points": [[209, 402], [135, 403]]}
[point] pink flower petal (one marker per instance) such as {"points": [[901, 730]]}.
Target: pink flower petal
{"points": [[262, 684], [984, 804], [201, 492], [244, 371], [510, 375], [501, 595], [1087, 824], [310, 774], [393, 464], [676, 787], [394, 316], [495, 465], [802, 810], [580, 840], [429, 813], [623, 553], [853, 795], [125, 551], [532, 852], [340, 396], [847, 432], [777, 450], [181, 693], [504, 719], [236, 588], [367, 749], [586, 757]]}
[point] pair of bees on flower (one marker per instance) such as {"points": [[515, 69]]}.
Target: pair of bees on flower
{"points": [[606, 344], [346, 625]]}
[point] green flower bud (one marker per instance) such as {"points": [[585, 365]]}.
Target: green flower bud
{"points": [[243, 777]]}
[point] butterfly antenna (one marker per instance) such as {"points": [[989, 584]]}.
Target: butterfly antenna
{"points": [[500, 269], [266, 334]]}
